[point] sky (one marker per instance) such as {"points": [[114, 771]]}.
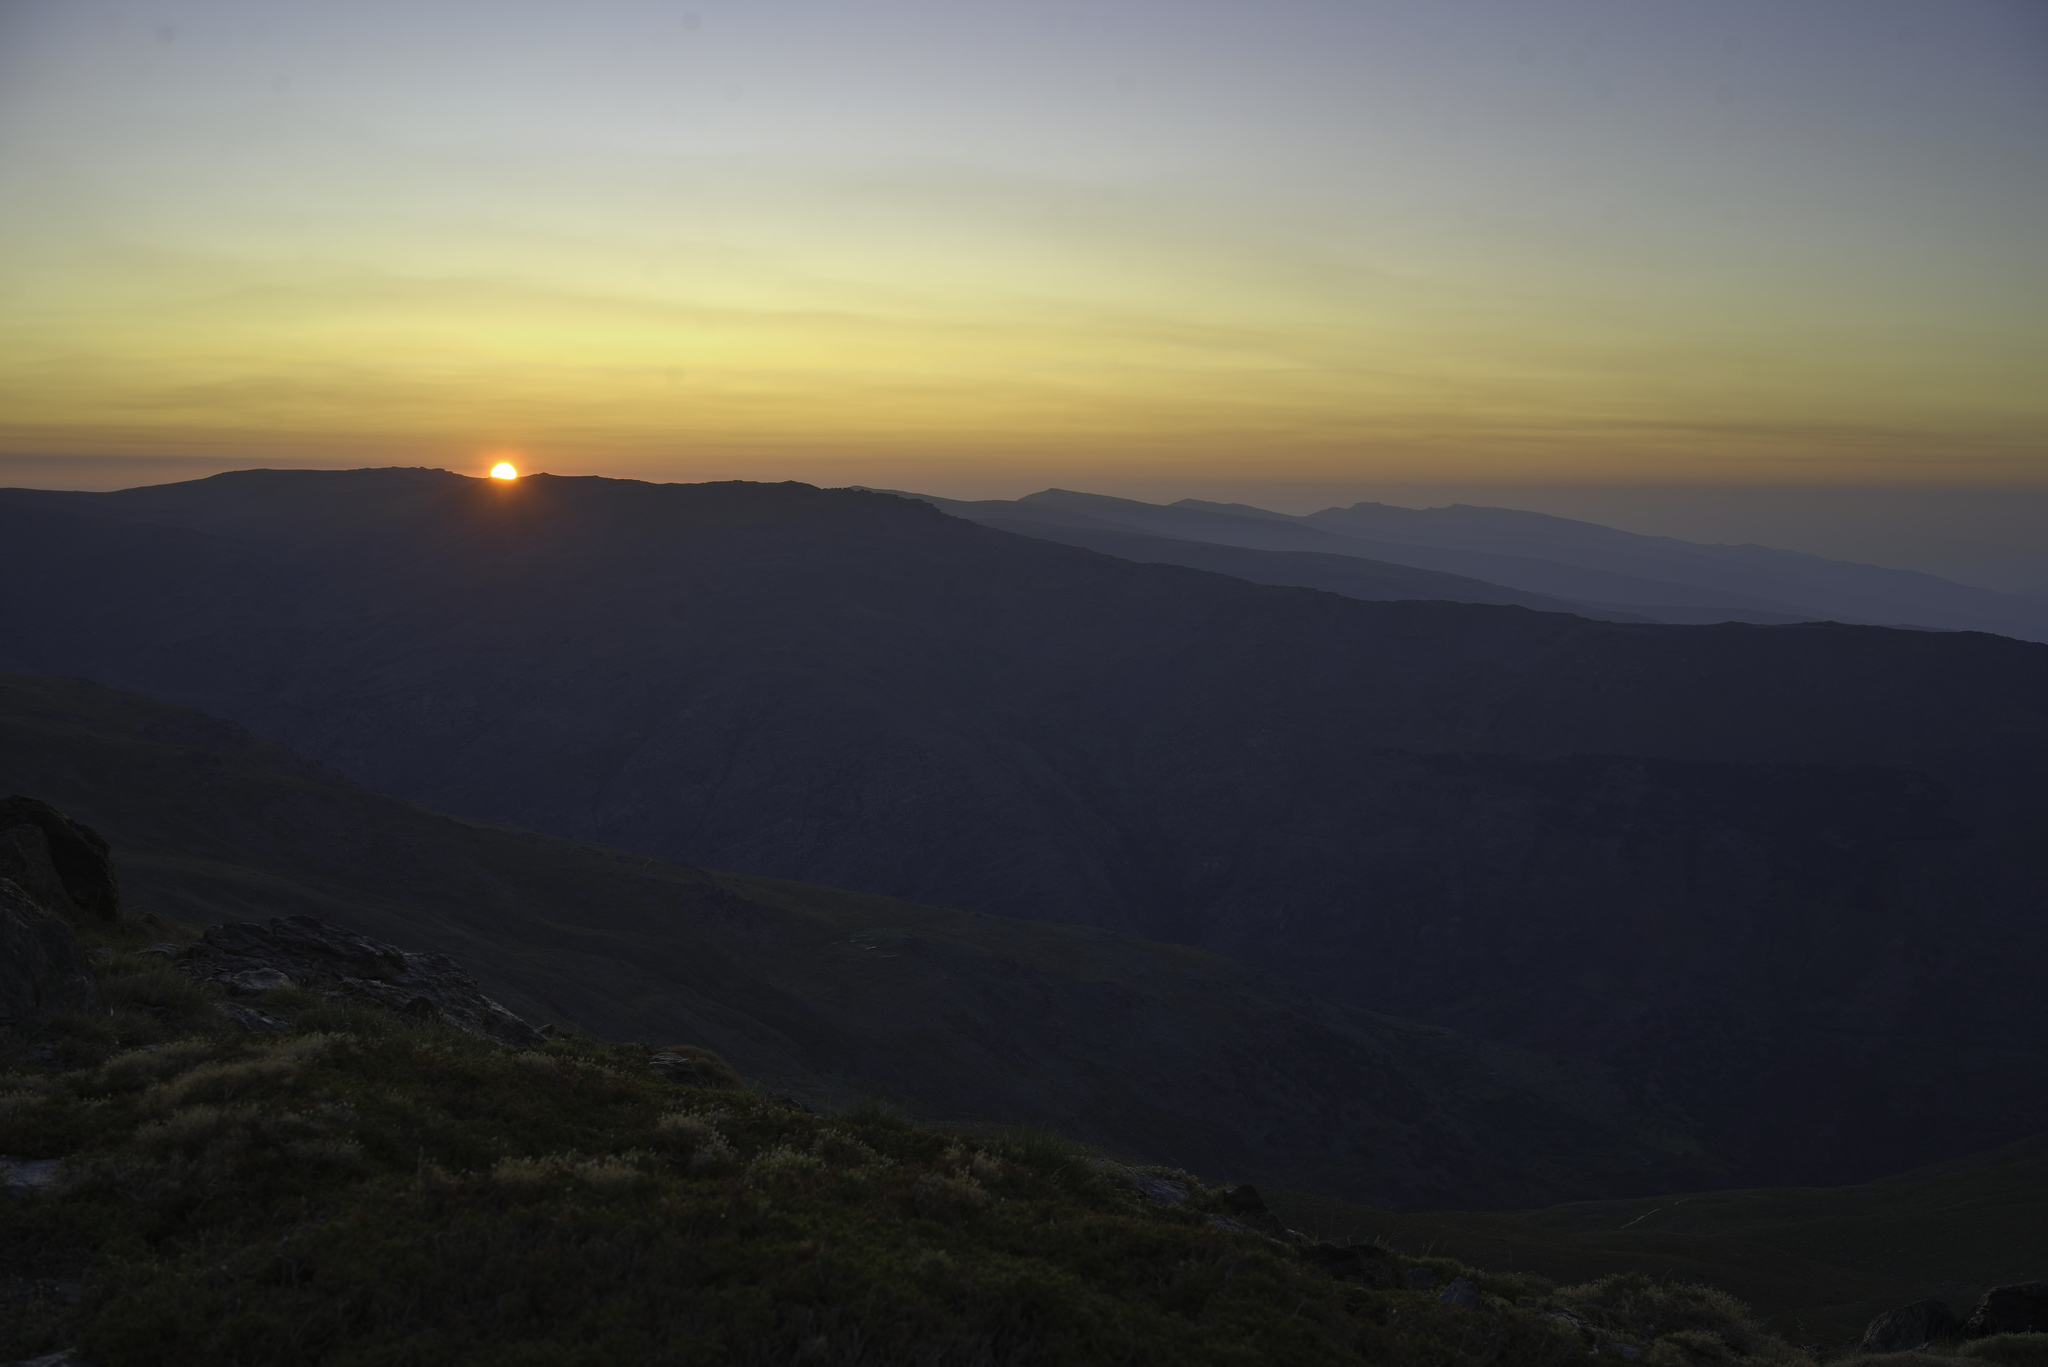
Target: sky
{"points": [[1672, 255]]}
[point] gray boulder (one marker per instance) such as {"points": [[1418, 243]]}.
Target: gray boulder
{"points": [[1244, 1205], [1911, 1326], [2021, 1308], [1159, 1189], [63, 864], [247, 957], [42, 964], [254, 1021], [1464, 1293]]}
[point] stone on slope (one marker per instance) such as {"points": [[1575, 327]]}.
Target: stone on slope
{"points": [[1911, 1326], [1249, 1208], [2018, 1309], [61, 863], [252, 1020], [42, 964], [247, 957], [1158, 1188]]}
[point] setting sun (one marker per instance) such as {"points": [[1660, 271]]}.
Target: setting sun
{"points": [[503, 470]]}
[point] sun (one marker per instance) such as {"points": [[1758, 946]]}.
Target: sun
{"points": [[504, 470]]}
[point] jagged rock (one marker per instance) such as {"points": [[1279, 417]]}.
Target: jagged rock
{"points": [[1247, 1207], [25, 862], [52, 871], [248, 957], [2021, 1308], [253, 980], [1911, 1326], [1244, 1210], [1159, 1189], [42, 964], [252, 1020], [61, 863]]}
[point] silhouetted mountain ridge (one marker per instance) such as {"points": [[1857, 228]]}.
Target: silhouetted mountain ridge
{"points": [[1784, 878], [1536, 559]]}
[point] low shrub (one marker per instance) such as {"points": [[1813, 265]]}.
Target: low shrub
{"points": [[869, 1113], [1679, 1323]]}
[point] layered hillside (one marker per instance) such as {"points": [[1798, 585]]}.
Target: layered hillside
{"points": [[1162, 1052], [1504, 555], [1786, 880]]}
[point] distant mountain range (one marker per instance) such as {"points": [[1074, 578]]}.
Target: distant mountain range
{"points": [[1784, 881], [1500, 555]]}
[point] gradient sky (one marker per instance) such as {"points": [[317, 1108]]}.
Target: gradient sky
{"points": [[978, 248]]}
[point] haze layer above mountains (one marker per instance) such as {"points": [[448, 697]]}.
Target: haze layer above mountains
{"points": [[1785, 879]]}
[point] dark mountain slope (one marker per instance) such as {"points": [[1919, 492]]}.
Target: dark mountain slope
{"points": [[1789, 878], [1159, 1051], [1272, 548], [1818, 1264], [1643, 584], [1350, 575], [1836, 588], [1524, 556]]}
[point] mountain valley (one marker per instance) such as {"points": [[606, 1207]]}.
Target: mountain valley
{"points": [[1162, 1052]]}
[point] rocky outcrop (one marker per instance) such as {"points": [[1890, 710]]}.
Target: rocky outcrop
{"points": [[248, 958], [1912, 1326], [1243, 1205], [1158, 1188], [2018, 1309], [61, 863], [42, 964]]}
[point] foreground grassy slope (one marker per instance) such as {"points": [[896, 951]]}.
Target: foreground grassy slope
{"points": [[1163, 1052], [1819, 1262], [370, 1190]]}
